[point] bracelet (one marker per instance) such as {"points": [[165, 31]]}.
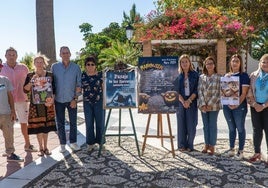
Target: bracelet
{"points": [[263, 105], [190, 100], [253, 104]]}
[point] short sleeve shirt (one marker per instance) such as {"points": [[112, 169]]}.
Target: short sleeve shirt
{"points": [[17, 76], [5, 87], [92, 87], [243, 80]]}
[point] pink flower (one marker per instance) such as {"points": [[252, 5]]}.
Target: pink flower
{"points": [[185, 23]]}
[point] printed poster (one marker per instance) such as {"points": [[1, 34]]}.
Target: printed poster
{"points": [[156, 89], [230, 90], [120, 88], [42, 91]]}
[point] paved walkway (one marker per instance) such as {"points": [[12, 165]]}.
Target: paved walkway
{"points": [[18, 174]]}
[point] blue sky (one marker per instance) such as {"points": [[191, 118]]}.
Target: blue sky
{"points": [[18, 24]]}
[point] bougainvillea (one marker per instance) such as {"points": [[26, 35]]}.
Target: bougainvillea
{"points": [[202, 23]]}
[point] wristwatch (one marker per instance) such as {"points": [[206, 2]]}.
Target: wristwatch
{"points": [[75, 98]]}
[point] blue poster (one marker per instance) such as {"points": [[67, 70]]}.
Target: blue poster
{"points": [[120, 89], [155, 88]]}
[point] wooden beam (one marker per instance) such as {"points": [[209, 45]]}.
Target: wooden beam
{"points": [[221, 56], [147, 49]]}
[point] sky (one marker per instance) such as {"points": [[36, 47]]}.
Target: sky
{"points": [[18, 23]]}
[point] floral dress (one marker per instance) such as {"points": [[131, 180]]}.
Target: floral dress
{"points": [[41, 118]]}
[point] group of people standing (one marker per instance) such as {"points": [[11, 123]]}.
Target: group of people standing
{"points": [[68, 81], [204, 93], [195, 92]]}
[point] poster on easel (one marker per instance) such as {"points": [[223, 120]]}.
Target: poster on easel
{"points": [[42, 91], [156, 89], [120, 88], [230, 90]]}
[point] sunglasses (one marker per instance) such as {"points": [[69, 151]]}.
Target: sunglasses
{"points": [[90, 64]]}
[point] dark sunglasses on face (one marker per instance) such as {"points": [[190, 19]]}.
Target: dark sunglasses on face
{"points": [[90, 64]]}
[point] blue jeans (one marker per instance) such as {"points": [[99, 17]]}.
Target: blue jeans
{"points": [[60, 119], [94, 114], [186, 126], [210, 127], [236, 120]]}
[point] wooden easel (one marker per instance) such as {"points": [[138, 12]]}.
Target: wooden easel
{"points": [[119, 131], [159, 132]]}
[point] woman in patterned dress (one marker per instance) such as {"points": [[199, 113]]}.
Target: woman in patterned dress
{"points": [[41, 118]]}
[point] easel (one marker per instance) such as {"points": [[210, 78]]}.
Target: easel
{"points": [[119, 131], [159, 132]]}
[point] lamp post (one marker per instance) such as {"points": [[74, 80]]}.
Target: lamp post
{"points": [[129, 32]]}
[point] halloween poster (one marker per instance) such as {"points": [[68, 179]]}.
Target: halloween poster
{"points": [[155, 88], [230, 90], [42, 90], [120, 88]]}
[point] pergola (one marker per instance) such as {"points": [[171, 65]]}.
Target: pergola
{"points": [[220, 48]]}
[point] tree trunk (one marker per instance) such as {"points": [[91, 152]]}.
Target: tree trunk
{"points": [[45, 29]]}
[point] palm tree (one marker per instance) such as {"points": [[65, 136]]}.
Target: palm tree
{"points": [[124, 52], [132, 18], [28, 61], [45, 29]]}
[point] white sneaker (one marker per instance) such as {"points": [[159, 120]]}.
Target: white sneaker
{"points": [[62, 148], [239, 155], [90, 147], [75, 147], [230, 152]]}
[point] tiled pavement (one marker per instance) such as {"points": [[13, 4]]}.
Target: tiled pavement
{"points": [[18, 174], [8, 168]]}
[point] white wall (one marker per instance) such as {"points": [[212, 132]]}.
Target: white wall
{"points": [[252, 64]]}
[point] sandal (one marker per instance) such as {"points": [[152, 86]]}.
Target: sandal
{"points": [[31, 148], [255, 157], [41, 153], [182, 149], [205, 149], [211, 150], [47, 152]]}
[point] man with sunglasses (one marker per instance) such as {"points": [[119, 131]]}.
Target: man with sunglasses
{"points": [[67, 77]]}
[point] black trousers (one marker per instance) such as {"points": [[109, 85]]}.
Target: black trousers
{"points": [[260, 123]]}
